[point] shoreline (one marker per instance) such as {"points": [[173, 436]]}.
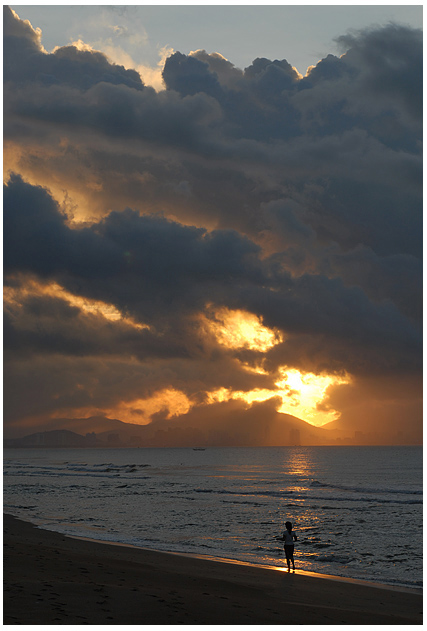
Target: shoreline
{"points": [[320, 575], [206, 557], [52, 578]]}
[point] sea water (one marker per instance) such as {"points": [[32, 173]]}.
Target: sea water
{"points": [[357, 511]]}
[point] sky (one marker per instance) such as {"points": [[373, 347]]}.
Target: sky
{"points": [[213, 219]]}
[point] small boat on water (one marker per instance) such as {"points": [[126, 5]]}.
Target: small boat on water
{"points": [[198, 449]]}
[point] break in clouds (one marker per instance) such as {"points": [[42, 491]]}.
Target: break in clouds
{"points": [[140, 225]]}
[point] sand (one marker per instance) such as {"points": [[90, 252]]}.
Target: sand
{"points": [[53, 579]]}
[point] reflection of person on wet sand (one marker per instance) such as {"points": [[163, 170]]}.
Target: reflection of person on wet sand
{"points": [[289, 537]]}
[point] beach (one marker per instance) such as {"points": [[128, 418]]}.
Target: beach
{"points": [[53, 579]]}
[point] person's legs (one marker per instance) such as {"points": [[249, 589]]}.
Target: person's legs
{"points": [[288, 553], [290, 556]]}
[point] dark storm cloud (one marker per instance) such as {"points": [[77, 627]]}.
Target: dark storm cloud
{"points": [[298, 199], [161, 273], [389, 67], [82, 89], [339, 327], [117, 111], [340, 142], [51, 325], [142, 264], [397, 278], [53, 381]]}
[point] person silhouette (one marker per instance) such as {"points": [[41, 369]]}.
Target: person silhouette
{"points": [[289, 537]]}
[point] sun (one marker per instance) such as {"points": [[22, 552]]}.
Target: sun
{"points": [[302, 395]]}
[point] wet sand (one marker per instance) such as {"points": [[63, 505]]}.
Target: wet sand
{"points": [[53, 579]]}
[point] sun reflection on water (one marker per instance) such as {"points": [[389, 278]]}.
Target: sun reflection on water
{"points": [[299, 463]]}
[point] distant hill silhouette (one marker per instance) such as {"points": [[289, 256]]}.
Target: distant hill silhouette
{"points": [[230, 423], [54, 438], [95, 424], [222, 424]]}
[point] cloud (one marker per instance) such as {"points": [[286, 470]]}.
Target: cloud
{"points": [[162, 273], [295, 199], [391, 406], [389, 61], [170, 261], [14, 27], [226, 72], [263, 134], [27, 63]]}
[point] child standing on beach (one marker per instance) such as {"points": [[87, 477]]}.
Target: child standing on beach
{"points": [[289, 537]]}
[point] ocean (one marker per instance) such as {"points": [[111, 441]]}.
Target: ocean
{"points": [[357, 511]]}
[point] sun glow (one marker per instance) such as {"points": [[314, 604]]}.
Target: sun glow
{"points": [[136, 411], [302, 395], [240, 329], [16, 295], [76, 190], [139, 411]]}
